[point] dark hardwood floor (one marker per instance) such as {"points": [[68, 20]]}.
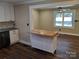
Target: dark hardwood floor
{"points": [[68, 48]]}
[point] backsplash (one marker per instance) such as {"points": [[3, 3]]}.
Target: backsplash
{"points": [[6, 25]]}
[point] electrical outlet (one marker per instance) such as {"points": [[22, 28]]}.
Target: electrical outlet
{"points": [[27, 24]]}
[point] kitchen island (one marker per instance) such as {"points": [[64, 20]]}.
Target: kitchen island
{"points": [[44, 40]]}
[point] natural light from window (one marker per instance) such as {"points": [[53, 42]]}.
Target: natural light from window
{"points": [[64, 19]]}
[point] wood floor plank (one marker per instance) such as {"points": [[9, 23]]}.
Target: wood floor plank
{"points": [[68, 48]]}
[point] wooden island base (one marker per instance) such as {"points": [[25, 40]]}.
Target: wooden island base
{"points": [[44, 40]]}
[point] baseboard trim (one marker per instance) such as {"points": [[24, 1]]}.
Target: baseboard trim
{"points": [[26, 43], [69, 33]]}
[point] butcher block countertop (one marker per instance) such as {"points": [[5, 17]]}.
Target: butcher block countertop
{"points": [[44, 32]]}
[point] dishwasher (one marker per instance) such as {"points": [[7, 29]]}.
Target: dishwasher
{"points": [[4, 39]]}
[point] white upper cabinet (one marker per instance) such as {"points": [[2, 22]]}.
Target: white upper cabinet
{"points": [[12, 17], [2, 17], [6, 12]]}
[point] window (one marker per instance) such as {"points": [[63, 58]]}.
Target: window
{"points": [[64, 18]]}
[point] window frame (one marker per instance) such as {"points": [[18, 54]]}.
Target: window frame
{"points": [[73, 19]]}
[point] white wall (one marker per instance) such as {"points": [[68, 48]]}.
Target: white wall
{"points": [[22, 19]]}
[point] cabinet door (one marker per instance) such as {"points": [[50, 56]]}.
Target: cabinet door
{"points": [[12, 13], [14, 36], [7, 12], [2, 17]]}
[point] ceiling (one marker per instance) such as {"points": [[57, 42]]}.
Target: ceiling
{"points": [[14, 1], [31, 1]]}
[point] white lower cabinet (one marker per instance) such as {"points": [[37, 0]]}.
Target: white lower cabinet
{"points": [[45, 43], [14, 37]]}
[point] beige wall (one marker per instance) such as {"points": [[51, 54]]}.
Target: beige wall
{"points": [[35, 19], [47, 22], [22, 19], [46, 19]]}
